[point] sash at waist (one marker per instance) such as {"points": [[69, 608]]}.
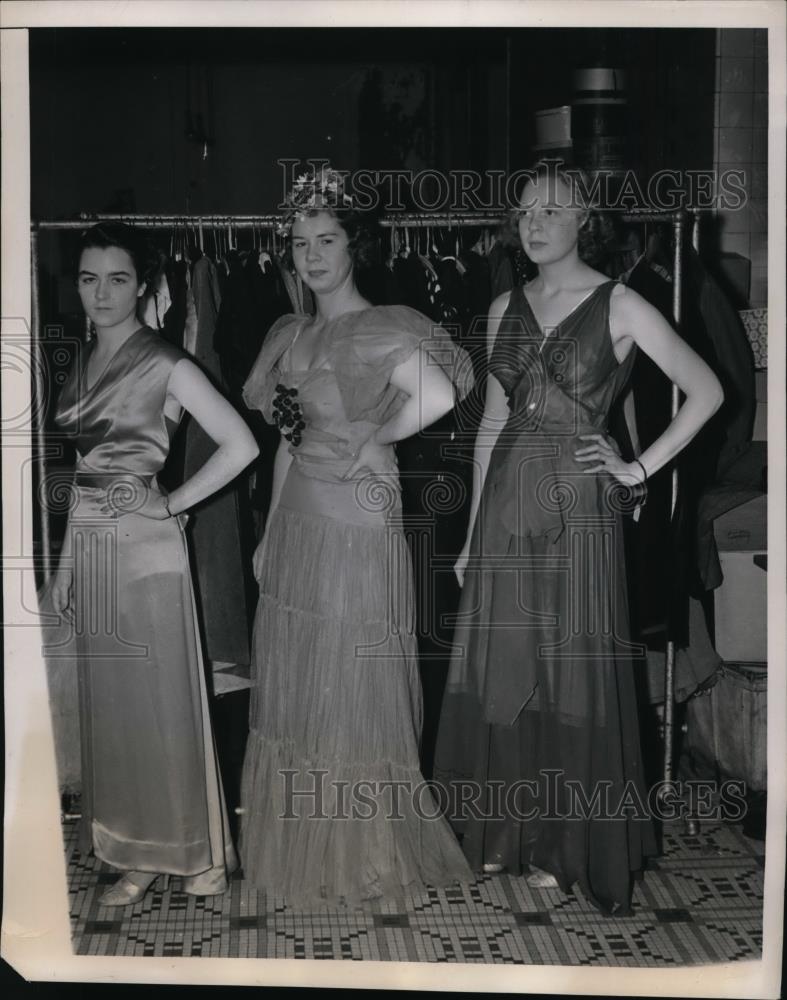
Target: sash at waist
{"points": [[107, 480]]}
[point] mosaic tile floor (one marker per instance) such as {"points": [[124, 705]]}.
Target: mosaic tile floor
{"points": [[700, 903]]}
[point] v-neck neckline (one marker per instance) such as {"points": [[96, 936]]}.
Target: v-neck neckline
{"points": [[288, 352], [569, 314], [92, 388], [326, 325]]}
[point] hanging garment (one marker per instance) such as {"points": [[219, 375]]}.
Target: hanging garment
{"points": [[217, 531], [206, 290], [269, 302], [734, 361], [452, 296], [151, 792], [157, 302], [174, 327], [509, 266], [542, 678], [478, 296], [403, 280], [390, 291], [417, 280], [237, 333], [254, 297], [501, 270], [477, 284], [659, 544], [268, 294], [336, 696], [190, 317], [713, 329], [436, 478], [190, 322]]}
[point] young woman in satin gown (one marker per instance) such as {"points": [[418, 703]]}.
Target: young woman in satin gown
{"points": [[152, 800], [539, 717], [334, 805]]}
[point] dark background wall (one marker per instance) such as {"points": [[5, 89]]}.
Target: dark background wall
{"points": [[120, 118]]}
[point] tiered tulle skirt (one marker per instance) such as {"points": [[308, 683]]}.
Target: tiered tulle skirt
{"points": [[334, 804]]}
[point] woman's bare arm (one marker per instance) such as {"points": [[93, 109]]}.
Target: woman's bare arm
{"points": [[236, 444]]}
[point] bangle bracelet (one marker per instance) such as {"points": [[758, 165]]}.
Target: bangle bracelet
{"points": [[644, 473]]}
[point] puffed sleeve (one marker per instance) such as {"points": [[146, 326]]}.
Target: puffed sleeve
{"points": [[377, 341], [259, 388]]}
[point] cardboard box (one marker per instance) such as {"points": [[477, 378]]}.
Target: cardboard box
{"points": [[744, 528], [741, 609], [727, 726], [553, 128], [760, 432]]}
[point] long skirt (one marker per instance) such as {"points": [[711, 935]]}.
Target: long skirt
{"points": [[335, 808], [538, 747], [151, 791]]}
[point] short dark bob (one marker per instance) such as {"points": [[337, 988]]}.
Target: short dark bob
{"points": [[144, 255]]}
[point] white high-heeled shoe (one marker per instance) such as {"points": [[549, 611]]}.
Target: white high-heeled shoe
{"points": [[537, 878], [130, 888]]}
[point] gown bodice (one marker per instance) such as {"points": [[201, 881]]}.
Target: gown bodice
{"points": [[327, 411], [559, 387], [567, 380], [118, 424]]}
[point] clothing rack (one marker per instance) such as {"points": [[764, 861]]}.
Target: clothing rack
{"points": [[438, 220], [415, 219], [164, 221]]}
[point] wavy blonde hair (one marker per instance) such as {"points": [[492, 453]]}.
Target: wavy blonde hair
{"points": [[596, 233]]}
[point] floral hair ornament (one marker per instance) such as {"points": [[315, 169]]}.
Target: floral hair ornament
{"points": [[313, 192]]}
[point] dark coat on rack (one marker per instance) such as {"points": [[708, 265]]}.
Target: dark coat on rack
{"points": [[175, 316]]}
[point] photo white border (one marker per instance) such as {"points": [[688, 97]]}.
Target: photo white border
{"points": [[35, 933]]}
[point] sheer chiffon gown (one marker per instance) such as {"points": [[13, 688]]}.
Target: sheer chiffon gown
{"points": [[334, 805], [151, 792], [539, 717]]}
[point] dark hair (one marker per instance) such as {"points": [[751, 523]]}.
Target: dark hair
{"points": [[596, 233], [361, 229], [144, 255]]}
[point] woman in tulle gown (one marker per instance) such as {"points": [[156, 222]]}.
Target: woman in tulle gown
{"points": [[152, 800], [539, 718], [334, 808]]}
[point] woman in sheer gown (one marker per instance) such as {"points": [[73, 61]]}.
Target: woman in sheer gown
{"points": [[334, 805], [539, 717]]}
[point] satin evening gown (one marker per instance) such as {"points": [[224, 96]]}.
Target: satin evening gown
{"points": [[151, 792]]}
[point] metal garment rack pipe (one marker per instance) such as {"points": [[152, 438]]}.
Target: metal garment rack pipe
{"points": [[669, 665], [414, 219], [164, 221], [677, 312], [217, 221]]}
